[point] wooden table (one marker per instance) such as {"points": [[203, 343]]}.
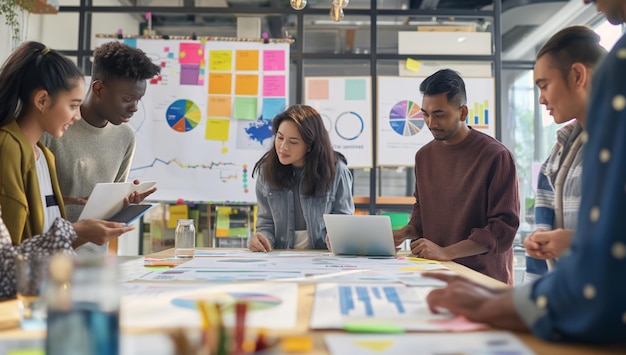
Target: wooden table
{"points": [[9, 320]]}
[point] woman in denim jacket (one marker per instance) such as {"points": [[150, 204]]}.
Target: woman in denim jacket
{"points": [[299, 179]]}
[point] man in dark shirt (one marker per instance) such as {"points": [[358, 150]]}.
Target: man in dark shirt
{"points": [[582, 299], [466, 197]]}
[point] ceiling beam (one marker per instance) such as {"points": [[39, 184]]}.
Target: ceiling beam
{"points": [[570, 12]]}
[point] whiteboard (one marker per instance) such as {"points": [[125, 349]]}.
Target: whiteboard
{"points": [[345, 104], [206, 120], [401, 130]]}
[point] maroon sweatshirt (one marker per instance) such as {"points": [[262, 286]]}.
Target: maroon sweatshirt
{"points": [[469, 191]]}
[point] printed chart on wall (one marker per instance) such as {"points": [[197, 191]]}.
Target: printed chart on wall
{"points": [[345, 106], [206, 119], [401, 128]]}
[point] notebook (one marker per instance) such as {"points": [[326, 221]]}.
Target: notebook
{"points": [[369, 235]]}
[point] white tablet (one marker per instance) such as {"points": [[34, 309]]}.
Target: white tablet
{"points": [[107, 199], [360, 234]]}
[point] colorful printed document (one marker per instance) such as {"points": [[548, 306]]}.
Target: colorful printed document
{"points": [[336, 305], [478, 343], [171, 305]]}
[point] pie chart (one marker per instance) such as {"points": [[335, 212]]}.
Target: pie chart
{"points": [[183, 115], [406, 118]]}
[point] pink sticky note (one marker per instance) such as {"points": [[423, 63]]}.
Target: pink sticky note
{"points": [[273, 85], [274, 60], [190, 53], [458, 324]]}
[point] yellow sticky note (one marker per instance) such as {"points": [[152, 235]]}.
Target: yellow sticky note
{"points": [[422, 260], [217, 129], [177, 212], [297, 344], [27, 352], [412, 268], [413, 65], [221, 60]]}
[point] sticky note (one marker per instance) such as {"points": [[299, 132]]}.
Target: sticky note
{"points": [[157, 268], [27, 352], [274, 85], [413, 65], [177, 212], [190, 53], [272, 107], [247, 84], [422, 260], [246, 108], [355, 89], [296, 344], [219, 106], [220, 83], [221, 60], [317, 89], [273, 60], [372, 327], [217, 129], [413, 268], [247, 60]]}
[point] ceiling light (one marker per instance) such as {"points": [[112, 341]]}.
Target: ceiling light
{"points": [[341, 3], [298, 4], [336, 13]]}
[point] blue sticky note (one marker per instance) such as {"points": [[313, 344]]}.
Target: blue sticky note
{"points": [[355, 89], [131, 42], [272, 107]]}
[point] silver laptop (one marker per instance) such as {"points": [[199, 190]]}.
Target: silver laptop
{"points": [[369, 235]]}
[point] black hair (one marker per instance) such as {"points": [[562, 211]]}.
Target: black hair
{"points": [[33, 66], [575, 44], [445, 81], [115, 60], [319, 167]]}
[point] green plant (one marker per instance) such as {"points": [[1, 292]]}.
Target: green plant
{"points": [[11, 9]]}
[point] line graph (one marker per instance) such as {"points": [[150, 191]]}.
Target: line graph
{"points": [[182, 165]]}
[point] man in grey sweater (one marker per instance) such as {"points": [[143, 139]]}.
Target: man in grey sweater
{"points": [[100, 147]]}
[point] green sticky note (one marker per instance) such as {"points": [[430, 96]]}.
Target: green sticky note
{"points": [[372, 327], [355, 89], [245, 108], [27, 352], [156, 268]]}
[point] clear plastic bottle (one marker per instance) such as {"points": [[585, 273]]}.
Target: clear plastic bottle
{"points": [[185, 242], [83, 308]]}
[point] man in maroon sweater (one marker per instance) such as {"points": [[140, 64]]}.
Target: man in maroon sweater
{"points": [[466, 197]]}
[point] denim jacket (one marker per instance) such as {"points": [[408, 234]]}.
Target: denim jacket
{"points": [[276, 212]]}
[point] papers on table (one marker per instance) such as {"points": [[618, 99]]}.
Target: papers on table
{"points": [[240, 265], [484, 343], [209, 275], [337, 305], [170, 305]]}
